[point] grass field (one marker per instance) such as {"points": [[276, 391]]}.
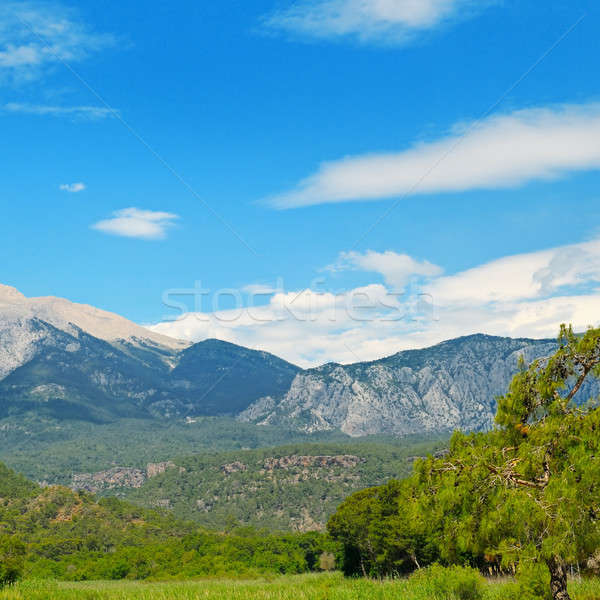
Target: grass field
{"points": [[302, 587]]}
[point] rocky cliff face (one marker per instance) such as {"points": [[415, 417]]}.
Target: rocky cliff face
{"points": [[286, 463], [19, 338], [450, 386], [120, 477]]}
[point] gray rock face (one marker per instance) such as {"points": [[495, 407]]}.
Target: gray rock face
{"points": [[118, 477], [450, 386], [155, 469], [19, 339]]}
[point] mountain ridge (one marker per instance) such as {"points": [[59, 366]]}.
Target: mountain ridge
{"points": [[64, 371], [451, 385], [52, 366], [65, 314]]}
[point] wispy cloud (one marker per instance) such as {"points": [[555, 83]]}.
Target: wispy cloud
{"points": [[525, 295], [73, 188], [36, 35], [501, 151], [397, 269], [137, 223], [564, 270], [91, 113], [383, 21]]}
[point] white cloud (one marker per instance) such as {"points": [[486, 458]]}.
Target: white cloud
{"points": [[137, 223], [527, 295], [397, 269], [73, 188], [388, 21], [522, 277], [91, 113], [501, 151], [36, 35], [305, 326]]}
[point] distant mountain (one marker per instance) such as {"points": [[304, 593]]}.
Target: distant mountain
{"points": [[224, 378], [68, 361], [449, 386], [68, 316], [76, 376], [71, 361]]}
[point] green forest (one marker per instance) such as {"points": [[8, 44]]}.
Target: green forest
{"points": [[49, 449], [55, 533]]}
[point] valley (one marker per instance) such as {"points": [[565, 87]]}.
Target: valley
{"points": [[288, 488], [94, 402]]}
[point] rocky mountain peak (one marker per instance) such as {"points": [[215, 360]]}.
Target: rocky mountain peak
{"points": [[67, 316], [10, 295]]}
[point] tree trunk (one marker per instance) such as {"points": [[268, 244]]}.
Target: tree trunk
{"points": [[362, 567], [558, 578]]}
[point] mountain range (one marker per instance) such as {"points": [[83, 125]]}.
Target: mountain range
{"points": [[70, 361], [452, 385]]}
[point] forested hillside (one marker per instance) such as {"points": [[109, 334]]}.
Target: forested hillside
{"points": [[51, 450], [294, 487], [60, 534]]}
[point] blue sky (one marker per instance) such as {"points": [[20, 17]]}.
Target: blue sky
{"points": [[144, 151]]}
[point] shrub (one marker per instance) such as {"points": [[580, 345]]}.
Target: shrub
{"points": [[533, 583], [12, 553], [327, 561], [460, 583]]}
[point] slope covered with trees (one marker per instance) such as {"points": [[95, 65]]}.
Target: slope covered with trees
{"points": [[51, 450], [55, 533]]}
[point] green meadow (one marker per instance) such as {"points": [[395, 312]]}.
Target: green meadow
{"points": [[295, 587]]}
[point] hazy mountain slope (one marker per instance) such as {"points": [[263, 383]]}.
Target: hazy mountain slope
{"points": [[73, 361], [451, 385], [77, 376], [219, 378]]}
